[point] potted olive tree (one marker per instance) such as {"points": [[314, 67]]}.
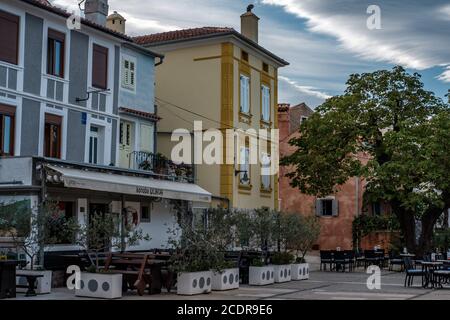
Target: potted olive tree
{"points": [[104, 232], [195, 257], [31, 230], [305, 235], [262, 229], [221, 225]]}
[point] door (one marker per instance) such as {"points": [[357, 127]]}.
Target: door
{"points": [[93, 146], [126, 143]]}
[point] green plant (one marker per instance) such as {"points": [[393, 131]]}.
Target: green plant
{"points": [[105, 232], [282, 258], [258, 263], [441, 239], [365, 224], [31, 229]]}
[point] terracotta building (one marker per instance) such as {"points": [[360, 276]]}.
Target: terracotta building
{"points": [[337, 211]]}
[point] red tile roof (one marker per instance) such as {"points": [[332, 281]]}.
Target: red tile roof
{"points": [[181, 34], [140, 114], [200, 33]]}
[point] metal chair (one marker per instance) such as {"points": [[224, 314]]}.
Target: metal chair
{"points": [[411, 272], [326, 257]]}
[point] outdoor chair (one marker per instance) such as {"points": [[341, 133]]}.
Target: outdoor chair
{"points": [[370, 258], [395, 260], [359, 258], [351, 255], [382, 259], [411, 272], [341, 260], [326, 257]]}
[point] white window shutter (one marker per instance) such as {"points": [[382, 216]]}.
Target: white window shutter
{"points": [[335, 208]]}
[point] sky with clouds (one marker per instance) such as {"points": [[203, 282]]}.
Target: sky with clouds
{"points": [[324, 40]]}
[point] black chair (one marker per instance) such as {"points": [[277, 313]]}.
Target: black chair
{"points": [[395, 260], [351, 255], [341, 260], [326, 257], [411, 272], [382, 259], [371, 258]]}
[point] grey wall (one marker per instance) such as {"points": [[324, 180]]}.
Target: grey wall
{"points": [[29, 145], [114, 142], [33, 54], [76, 134], [79, 48]]}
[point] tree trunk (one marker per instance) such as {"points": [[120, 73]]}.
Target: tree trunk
{"points": [[407, 226], [429, 220]]}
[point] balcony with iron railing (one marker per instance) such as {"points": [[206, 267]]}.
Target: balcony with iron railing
{"points": [[161, 166]]}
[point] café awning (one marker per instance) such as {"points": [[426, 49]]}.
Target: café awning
{"points": [[131, 185]]}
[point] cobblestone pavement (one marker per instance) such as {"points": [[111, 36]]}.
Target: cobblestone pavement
{"points": [[321, 286]]}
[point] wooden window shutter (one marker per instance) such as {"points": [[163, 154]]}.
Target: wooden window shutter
{"points": [[335, 208], [319, 207], [100, 67], [9, 37]]}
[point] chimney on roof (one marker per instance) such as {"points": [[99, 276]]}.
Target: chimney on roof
{"points": [[249, 24], [96, 11], [116, 22]]}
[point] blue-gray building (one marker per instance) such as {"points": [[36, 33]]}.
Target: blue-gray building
{"points": [[77, 119]]}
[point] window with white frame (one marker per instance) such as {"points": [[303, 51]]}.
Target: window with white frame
{"points": [[265, 171], [93, 145], [244, 167], [129, 73], [245, 94], [303, 119], [265, 108]]}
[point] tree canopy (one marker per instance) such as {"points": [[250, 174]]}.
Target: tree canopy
{"points": [[388, 129]]}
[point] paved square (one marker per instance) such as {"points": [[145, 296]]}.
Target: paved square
{"points": [[321, 286]]}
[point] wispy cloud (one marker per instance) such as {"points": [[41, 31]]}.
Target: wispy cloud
{"points": [[445, 76], [404, 39], [307, 90]]}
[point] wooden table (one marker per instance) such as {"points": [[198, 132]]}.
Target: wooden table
{"points": [[139, 270]]}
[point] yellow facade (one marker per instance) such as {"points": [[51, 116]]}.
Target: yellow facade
{"points": [[201, 82]]}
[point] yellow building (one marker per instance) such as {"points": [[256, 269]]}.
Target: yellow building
{"points": [[226, 80]]}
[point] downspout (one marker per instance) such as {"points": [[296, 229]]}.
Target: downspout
{"points": [[357, 206], [160, 62]]}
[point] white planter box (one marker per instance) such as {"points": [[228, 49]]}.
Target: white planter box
{"points": [[43, 285], [261, 276], [226, 280], [300, 271], [100, 285], [191, 283], [282, 273]]}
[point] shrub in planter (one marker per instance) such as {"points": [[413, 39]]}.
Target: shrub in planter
{"points": [[226, 277], [300, 270], [99, 285], [105, 232], [261, 274], [282, 266]]}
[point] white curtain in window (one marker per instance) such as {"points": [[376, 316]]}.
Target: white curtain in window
{"points": [[265, 91], [265, 171], [245, 94]]}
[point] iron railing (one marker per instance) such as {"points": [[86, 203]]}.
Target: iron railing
{"points": [[161, 166]]}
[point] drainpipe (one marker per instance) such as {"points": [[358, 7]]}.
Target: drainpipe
{"points": [[357, 205], [160, 62]]}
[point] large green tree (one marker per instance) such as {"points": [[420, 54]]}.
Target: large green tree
{"points": [[388, 129]]}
